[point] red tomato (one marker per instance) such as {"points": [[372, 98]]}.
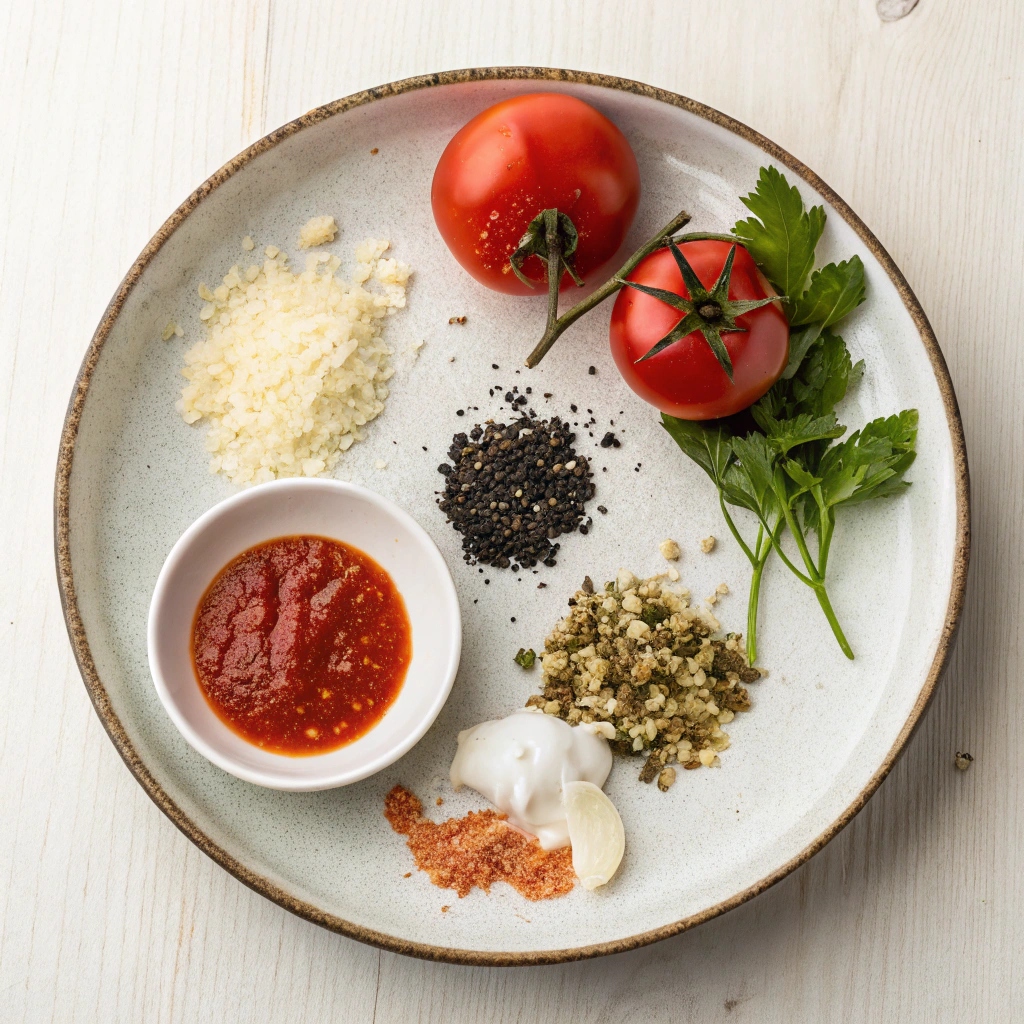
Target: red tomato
{"points": [[685, 379], [525, 155]]}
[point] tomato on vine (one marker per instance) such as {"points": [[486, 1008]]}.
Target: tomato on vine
{"points": [[698, 331], [524, 158]]}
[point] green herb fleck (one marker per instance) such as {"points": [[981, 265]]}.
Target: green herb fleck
{"points": [[526, 657], [654, 614]]}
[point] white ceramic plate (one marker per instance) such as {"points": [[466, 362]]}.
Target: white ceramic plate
{"points": [[823, 732]]}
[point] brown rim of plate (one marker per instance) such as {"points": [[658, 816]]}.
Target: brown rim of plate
{"points": [[80, 643]]}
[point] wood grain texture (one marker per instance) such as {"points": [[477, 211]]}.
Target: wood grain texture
{"points": [[113, 111]]}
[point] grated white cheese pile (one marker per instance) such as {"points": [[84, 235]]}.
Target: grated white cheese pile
{"points": [[293, 365], [317, 231]]}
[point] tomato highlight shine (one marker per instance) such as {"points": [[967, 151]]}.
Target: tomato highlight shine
{"points": [[685, 379]]}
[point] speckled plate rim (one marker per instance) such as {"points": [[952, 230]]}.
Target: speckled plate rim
{"points": [[98, 693]]}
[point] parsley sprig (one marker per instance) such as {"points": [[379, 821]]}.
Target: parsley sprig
{"points": [[791, 469]]}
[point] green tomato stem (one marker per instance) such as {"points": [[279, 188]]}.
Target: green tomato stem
{"points": [[556, 326], [553, 240], [706, 236]]}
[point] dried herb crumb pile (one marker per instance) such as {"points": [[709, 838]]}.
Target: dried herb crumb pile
{"points": [[640, 661], [512, 489]]}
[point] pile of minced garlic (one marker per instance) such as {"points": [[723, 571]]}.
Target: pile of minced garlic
{"points": [[293, 365]]}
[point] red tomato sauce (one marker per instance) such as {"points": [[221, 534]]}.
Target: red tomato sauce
{"points": [[301, 644]]}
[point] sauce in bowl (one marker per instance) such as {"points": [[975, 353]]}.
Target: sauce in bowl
{"points": [[301, 644]]}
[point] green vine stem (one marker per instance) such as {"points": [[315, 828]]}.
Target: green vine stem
{"points": [[553, 241], [705, 236], [557, 326]]}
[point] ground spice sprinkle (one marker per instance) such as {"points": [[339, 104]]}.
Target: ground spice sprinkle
{"points": [[478, 850], [512, 489]]}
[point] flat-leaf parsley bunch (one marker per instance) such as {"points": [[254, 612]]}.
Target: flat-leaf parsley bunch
{"points": [[789, 467]]}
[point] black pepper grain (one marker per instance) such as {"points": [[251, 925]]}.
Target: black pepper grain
{"points": [[513, 489]]}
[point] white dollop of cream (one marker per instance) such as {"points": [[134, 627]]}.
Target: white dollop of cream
{"points": [[521, 763]]}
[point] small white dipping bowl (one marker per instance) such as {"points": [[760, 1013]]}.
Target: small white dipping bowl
{"points": [[327, 508]]}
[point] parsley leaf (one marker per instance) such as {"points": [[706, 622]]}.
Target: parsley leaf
{"points": [[799, 343], [871, 464], [818, 384], [749, 481], [900, 430], [780, 236], [806, 482], [822, 382], [785, 435], [834, 291], [709, 446]]}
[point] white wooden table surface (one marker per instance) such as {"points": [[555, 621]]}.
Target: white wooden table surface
{"points": [[111, 112]]}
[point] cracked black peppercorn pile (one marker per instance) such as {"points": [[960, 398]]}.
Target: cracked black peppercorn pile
{"points": [[514, 489]]}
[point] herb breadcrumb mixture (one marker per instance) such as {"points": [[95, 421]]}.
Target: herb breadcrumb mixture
{"points": [[639, 661]]}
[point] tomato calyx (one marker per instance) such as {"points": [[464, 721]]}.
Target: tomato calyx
{"points": [[550, 235], [708, 311]]}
